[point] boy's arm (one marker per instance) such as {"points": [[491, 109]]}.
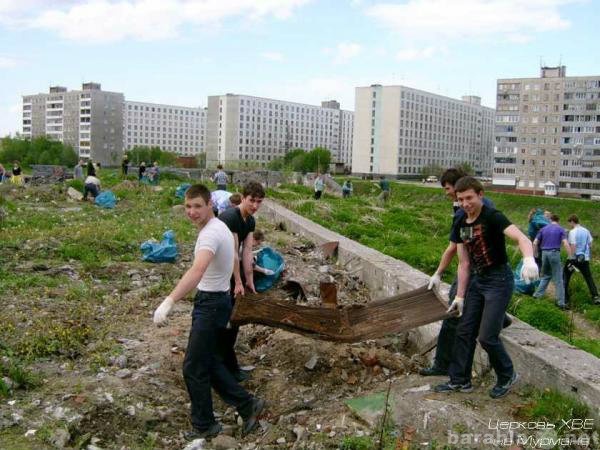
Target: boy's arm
{"points": [[445, 261], [247, 257], [187, 282], [529, 271], [463, 279], [237, 274]]}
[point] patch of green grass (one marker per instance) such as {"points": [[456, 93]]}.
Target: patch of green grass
{"points": [[357, 443], [57, 338], [4, 389], [552, 406], [589, 345], [593, 315], [541, 314]]}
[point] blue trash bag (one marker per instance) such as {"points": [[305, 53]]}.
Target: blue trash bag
{"points": [[521, 286], [267, 258], [163, 251], [106, 199], [182, 189]]}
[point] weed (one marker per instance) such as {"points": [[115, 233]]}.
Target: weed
{"points": [[357, 443], [4, 389], [543, 315]]}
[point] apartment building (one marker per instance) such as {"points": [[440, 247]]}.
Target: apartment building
{"points": [[548, 133], [399, 130], [90, 120], [176, 129], [244, 130]]}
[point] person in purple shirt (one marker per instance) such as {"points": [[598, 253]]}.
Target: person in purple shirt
{"points": [[549, 240]]}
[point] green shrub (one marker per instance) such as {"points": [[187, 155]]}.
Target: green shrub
{"points": [[357, 443], [542, 315], [76, 184]]}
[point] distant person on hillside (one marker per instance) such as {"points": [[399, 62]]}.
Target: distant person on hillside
{"points": [[537, 220], [91, 187], [125, 166], [221, 179], [17, 177], [385, 190], [91, 169], [2, 173], [549, 240], [347, 189], [154, 173], [319, 186], [142, 171], [78, 170], [580, 241]]}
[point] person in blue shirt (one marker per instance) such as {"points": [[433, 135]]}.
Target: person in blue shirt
{"points": [[580, 241]]}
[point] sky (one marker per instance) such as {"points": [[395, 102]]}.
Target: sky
{"points": [[180, 51]]}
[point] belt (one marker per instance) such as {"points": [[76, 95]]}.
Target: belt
{"points": [[551, 249]]}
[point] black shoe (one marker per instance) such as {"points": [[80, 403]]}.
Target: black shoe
{"points": [[251, 421], [207, 434], [241, 375], [450, 387], [433, 371], [596, 300], [563, 307], [507, 321], [500, 390]]}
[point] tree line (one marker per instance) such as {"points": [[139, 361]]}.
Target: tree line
{"points": [[299, 160]]}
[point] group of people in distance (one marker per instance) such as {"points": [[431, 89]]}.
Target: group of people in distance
{"points": [[15, 176]]}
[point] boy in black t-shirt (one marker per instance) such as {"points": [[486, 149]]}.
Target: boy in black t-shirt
{"points": [[240, 222], [480, 238]]}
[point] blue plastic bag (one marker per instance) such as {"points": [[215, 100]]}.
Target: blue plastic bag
{"points": [[181, 190], [521, 286], [163, 251], [267, 258], [106, 199]]}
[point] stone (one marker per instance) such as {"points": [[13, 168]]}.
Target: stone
{"points": [[281, 440], [178, 209], [60, 438], [224, 442], [123, 373], [312, 362], [74, 194], [196, 444], [369, 408]]}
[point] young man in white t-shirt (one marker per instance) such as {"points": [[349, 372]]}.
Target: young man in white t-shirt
{"points": [[203, 366]]}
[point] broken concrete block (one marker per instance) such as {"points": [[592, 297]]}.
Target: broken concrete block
{"points": [[74, 194], [369, 408]]}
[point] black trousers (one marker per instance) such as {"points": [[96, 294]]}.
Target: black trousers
{"points": [[584, 268]]}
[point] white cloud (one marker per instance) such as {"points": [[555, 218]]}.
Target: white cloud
{"points": [[109, 21], [454, 19], [10, 118], [273, 56], [413, 54], [7, 62], [344, 52]]}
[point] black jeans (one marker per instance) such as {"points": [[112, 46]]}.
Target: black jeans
{"points": [[584, 267], [318, 194], [90, 188], [445, 342], [203, 365], [483, 317]]}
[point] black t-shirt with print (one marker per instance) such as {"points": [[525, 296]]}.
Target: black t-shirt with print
{"points": [[484, 238], [236, 224]]}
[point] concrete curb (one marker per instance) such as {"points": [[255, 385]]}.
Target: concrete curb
{"points": [[540, 359]]}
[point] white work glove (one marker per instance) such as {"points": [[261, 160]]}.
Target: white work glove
{"points": [[529, 271], [457, 304], [161, 313], [268, 272], [434, 281]]}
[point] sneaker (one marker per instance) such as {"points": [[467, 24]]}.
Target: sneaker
{"points": [[251, 422], [433, 371], [451, 387], [501, 390], [507, 321], [596, 300], [207, 434], [563, 307]]}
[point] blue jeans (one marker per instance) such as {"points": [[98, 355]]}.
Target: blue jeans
{"points": [[485, 307], [551, 270], [203, 366]]}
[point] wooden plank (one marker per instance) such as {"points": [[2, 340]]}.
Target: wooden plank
{"points": [[352, 324]]}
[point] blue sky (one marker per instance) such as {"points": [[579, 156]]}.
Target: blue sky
{"points": [[180, 51]]}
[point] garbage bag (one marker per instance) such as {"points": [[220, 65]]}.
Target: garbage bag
{"points": [[267, 258], [521, 286], [163, 251], [106, 199], [181, 190], [537, 222]]}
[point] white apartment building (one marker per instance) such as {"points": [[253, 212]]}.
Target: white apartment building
{"points": [[399, 130], [548, 133], [176, 129], [243, 129], [90, 120]]}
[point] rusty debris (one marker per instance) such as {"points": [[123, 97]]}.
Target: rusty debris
{"points": [[352, 324]]}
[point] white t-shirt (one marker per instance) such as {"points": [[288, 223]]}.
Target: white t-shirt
{"points": [[216, 238], [92, 180]]}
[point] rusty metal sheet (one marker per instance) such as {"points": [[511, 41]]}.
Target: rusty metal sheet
{"points": [[329, 249], [352, 324]]}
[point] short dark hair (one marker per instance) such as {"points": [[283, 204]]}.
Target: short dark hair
{"points": [[451, 176], [198, 190], [235, 199], [258, 235], [554, 218], [573, 218], [466, 183], [220, 167], [254, 189]]}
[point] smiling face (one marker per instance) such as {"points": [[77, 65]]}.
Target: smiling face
{"points": [[198, 211], [470, 201], [449, 190]]}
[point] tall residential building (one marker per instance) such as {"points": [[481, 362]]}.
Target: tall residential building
{"points": [[176, 129], [90, 120], [243, 130], [399, 131], [548, 130]]}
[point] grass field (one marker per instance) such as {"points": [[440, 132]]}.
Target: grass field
{"points": [[414, 225]]}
